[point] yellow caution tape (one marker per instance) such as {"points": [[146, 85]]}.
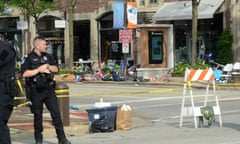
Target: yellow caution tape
{"points": [[22, 105], [20, 86]]}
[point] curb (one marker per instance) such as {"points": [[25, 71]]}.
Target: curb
{"points": [[170, 83]]}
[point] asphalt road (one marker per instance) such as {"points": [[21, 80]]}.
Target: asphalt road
{"points": [[156, 112]]}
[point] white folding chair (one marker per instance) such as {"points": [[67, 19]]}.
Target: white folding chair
{"points": [[236, 68], [227, 72]]}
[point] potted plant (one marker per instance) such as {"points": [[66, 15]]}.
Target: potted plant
{"points": [[179, 69]]}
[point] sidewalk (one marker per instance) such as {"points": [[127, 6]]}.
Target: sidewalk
{"points": [[21, 126]]}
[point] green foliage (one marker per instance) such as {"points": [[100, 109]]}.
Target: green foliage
{"points": [[225, 54], [77, 69], [32, 7], [200, 65], [105, 68], [65, 71], [180, 68], [2, 5]]}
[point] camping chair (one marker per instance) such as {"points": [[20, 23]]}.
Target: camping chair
{"points": [[227, 73], [217, 75]]}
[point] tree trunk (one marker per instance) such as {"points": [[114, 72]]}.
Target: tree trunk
{"points": [[71, 41], [194, 30]]}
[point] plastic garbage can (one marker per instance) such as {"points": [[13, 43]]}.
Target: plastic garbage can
{"points": [[102, 119]]}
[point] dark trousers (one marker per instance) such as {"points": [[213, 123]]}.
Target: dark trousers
{"points": [[6, 107], [47, 97]]}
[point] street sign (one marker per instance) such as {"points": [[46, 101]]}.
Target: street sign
{"points": [[60, 23], [125, 47], [23, 25], [125, 36]]}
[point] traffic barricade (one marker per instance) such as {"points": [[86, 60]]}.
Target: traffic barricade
{"points": [[198, 111]]}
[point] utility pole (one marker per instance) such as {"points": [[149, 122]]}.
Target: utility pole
{"points": [[125, 27], [130, 23]]}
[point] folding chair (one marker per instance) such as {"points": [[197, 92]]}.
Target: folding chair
{"points": [[236, 68], [227, 73]]}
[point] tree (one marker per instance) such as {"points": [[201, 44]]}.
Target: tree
{"points": [[2, 5], [70, 10], [195, 4], [33, 8], [225, 54]]}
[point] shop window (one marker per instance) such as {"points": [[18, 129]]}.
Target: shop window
{"points": [[155, 47], [153, 1], [142, 3], [46, 27], [8, 23]]}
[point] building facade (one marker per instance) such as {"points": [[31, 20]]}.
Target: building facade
{"points": [[158, 41]]}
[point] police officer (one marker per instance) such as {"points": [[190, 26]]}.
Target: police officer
{"points": [[7, 87], [38, 68]]}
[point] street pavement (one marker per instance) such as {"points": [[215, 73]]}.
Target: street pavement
{"points": [[159, 131]]}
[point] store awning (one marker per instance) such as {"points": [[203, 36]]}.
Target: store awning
{"points": [[182, 10]]}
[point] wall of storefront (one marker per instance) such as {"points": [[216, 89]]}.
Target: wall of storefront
{"points": [[92, 12]]}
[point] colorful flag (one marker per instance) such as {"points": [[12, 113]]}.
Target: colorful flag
{"points": [[118, 14], [132, 15]]}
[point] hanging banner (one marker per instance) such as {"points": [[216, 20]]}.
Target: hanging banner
{"points": [[132, 15], [118, 14]]}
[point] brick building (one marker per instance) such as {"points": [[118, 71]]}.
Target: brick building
{"points": [[93, 31]]}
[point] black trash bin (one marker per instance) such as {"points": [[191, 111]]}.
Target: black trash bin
{"points": [[102, 119]]}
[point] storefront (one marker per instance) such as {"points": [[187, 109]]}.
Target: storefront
{"points": [[8, 28], [208, 32], [54, 36], [109, 45], [210, 25]]}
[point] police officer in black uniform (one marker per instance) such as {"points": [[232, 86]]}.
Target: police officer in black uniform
{"points": [[7, 87], [38, 68]]}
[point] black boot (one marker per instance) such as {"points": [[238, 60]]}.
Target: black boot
{"points": [[64, 141]]}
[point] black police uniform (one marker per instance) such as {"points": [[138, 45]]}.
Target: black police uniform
{"points": [[40, 90], [7, 88]]}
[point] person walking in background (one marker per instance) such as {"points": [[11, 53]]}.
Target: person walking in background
{"points": [[8, 88], [38, 69]]}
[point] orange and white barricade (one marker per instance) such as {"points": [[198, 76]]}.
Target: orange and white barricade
{"points": [[195, 111]]}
